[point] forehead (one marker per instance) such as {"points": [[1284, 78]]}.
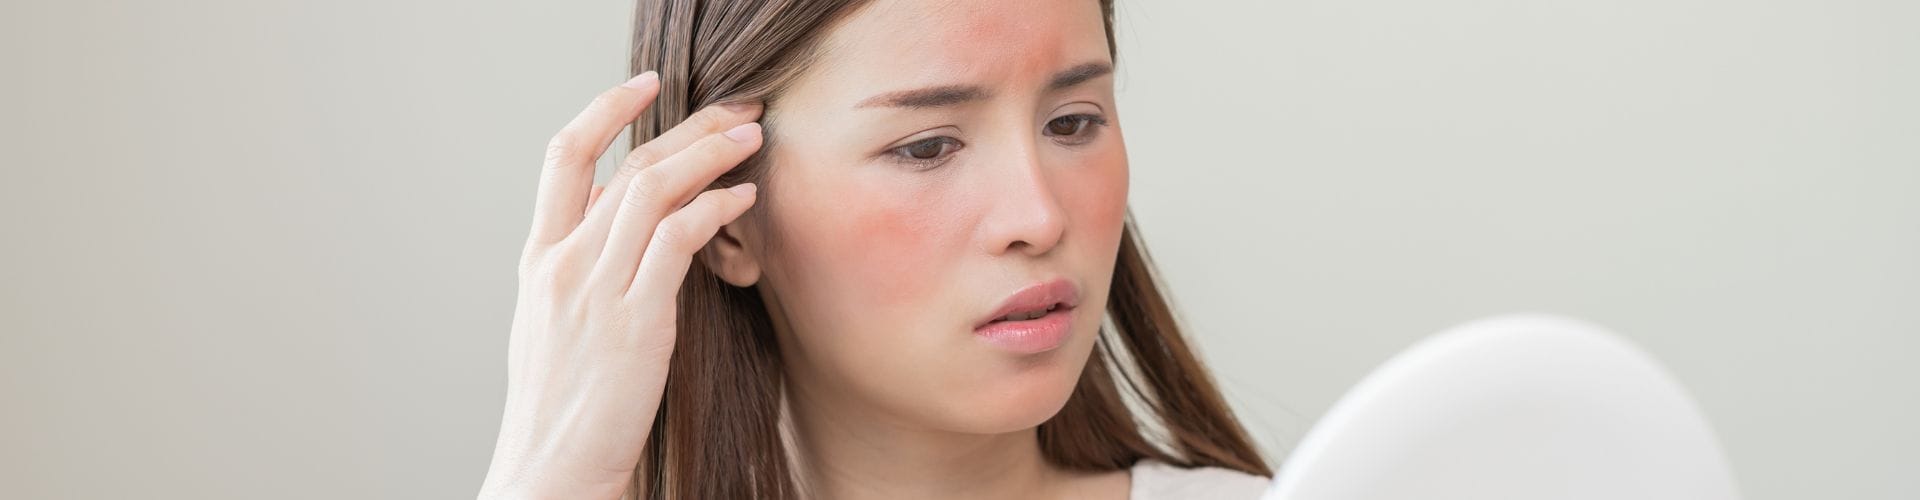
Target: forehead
{"points": [[908, 43]]}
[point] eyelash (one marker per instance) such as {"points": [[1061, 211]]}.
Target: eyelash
{"points": [[1083, 129]]}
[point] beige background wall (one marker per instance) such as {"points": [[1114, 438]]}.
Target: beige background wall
{"points": [[264, 248]]}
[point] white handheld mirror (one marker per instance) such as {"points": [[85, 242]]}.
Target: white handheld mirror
{"points": [[1529, 407]]}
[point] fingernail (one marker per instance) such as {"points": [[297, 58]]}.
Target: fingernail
{"points": [[744, 132], [642, 80], [739, 107], [743, 190]]}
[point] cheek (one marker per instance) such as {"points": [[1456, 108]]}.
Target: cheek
{"points": [[1097, 199], [894, 245]]}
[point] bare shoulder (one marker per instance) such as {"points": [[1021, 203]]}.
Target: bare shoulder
{"points": [[1156, 480]]}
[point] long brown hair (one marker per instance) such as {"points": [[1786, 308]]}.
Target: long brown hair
{"points": [[1143, 393]]}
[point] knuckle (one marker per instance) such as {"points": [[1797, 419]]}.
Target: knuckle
{"points": [[624, 178], [673, 233], [538, 276], [525, 271], [683, 230], [527, 264], [563, 149], [641, 158], [707, 119], [648, 186], [533, 261]]}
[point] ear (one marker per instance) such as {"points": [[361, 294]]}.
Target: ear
{"points": [[727, 255]]}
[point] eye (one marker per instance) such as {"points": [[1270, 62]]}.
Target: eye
{"points": [[927, 152], [1074, 127]]}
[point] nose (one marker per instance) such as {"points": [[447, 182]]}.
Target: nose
{"points": [[1027, 216]]}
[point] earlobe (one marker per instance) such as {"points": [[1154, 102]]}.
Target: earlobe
{"points": [[727, 256]]}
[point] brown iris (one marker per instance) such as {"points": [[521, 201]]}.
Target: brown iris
{"points": [[926, 150], [1065, 125]]}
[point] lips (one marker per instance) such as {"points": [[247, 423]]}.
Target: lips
{"points": [[1034, 301]]}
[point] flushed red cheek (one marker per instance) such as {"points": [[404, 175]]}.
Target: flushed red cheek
{"points": [[1098, 200], [895, 248], [1107, 201]]}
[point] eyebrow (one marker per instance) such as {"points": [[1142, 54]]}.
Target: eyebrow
{"points": [[1079, 74], [930, 97], [949, 95]]}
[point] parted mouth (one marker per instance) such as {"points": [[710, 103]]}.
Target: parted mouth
{"points": [[1034, 301], [1027, 315]]}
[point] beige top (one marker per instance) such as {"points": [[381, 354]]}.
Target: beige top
{"points": [[1156, 480]]}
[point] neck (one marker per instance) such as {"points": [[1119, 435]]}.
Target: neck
{"points": [[852, 455]]}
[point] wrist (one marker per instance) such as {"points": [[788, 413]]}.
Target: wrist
{"points": [[511, 479]]}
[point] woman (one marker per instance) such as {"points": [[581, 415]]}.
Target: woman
{"points": [[875, 263]]}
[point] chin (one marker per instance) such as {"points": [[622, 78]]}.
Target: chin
{"points": [[1021, 394]]}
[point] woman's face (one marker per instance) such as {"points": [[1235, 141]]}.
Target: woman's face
{"points": [[936, 159]]}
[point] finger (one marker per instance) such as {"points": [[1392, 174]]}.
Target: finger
{"points": [[660, 190], [594, 195], [680, 236], [708, 121], [567, 174]]}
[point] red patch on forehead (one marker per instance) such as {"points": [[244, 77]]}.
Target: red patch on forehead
{"points": [[989, 40]]}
